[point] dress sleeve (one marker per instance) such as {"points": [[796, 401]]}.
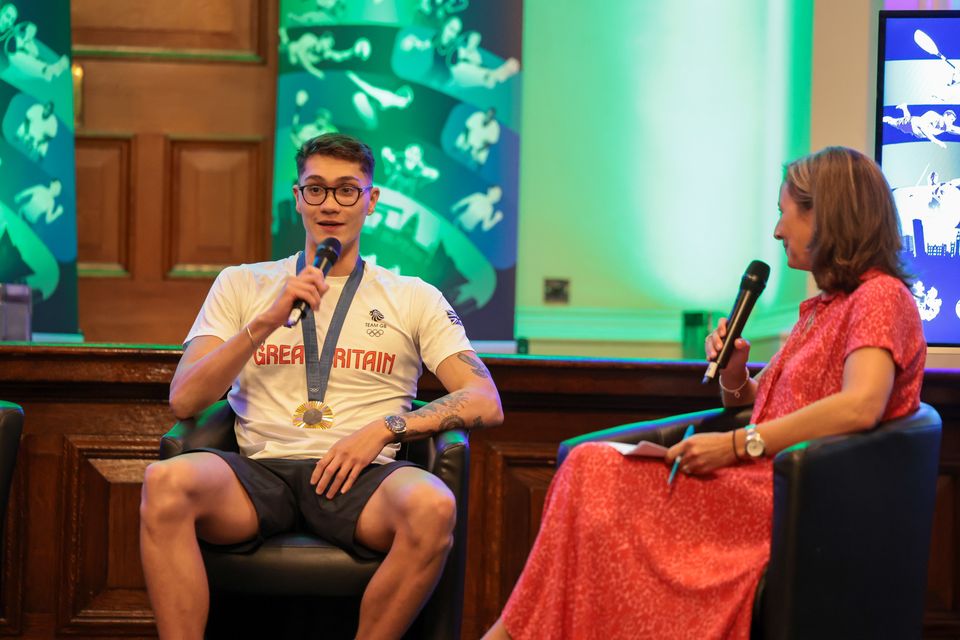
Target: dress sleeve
{"points": [[883, 314]]}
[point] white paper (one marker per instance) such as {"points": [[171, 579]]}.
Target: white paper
{"points": [[643, 448]]}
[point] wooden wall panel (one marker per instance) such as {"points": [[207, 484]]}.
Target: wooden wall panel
{"points": [[172, 25], [94, 416], [942, 572], [112, 313], [103, 205], [521, 472], [177, 98], [215, 192], [11, 577], [100, 553]]}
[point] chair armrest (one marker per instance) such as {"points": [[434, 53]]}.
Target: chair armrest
{"points": [[11, 426], [213, 428], [666, 431], [842, 503], [451, 459], [445, 455]]}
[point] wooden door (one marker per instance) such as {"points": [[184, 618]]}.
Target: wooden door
{"points": [[175, 120]]}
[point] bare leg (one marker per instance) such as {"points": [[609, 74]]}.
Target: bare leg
{"points": [[412, 515], [497, 631], [186, 496]]}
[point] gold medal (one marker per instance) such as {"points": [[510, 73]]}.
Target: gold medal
{"points": [[313, 414]]}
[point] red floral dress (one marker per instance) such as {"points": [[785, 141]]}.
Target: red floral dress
{"points": [[622, 555]]}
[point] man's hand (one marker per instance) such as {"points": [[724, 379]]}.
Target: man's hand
{"points": [[338, 470], [308, 285], [703, 453]]}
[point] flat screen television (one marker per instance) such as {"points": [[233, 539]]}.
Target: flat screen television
{"points": [[918, 148]]}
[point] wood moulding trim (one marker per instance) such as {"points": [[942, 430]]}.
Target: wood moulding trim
{"points": [[179, 55], [212, 139], [31, 365], [88, 134], [101, 270], [196, 270]]}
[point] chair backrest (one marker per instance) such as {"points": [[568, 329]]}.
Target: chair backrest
{"points": [[11, 426], [852, 521], [214, 428]]}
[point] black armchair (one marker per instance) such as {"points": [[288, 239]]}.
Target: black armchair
{"points": [[11, 425], [300, 565], [852, 521]]}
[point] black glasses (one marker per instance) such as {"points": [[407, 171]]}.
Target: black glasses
{"points": [[346, 195]]}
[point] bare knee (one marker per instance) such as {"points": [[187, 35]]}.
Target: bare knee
{"points": [[431, 514], [166, 494]]}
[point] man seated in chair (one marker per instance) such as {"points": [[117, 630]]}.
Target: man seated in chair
{"points": [[321, 408]]}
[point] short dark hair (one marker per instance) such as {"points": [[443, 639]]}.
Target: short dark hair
{"points": [[337, 145], [856, 226]]}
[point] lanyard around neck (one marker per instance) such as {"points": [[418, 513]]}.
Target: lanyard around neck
{"points": [[319, 364]]}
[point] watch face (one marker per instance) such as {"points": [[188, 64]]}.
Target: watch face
{"points": [[396, 424], [754, 445]]}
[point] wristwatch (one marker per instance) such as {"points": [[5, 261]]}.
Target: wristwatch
{"points": [[396, 424], [754, 444]]}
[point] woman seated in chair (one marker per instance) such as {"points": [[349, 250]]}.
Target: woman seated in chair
{"points": [[622, 554]]}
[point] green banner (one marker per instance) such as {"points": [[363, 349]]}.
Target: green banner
{"points": [[38, 219], [433, 86]]}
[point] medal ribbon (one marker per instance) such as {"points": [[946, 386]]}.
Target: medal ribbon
{"points": [[320, 364]]}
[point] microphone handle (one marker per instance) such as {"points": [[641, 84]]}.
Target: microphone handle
{"points": [[738, 319], [320, 261]]}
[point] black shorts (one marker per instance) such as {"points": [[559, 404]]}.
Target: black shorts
{"points": [[286, 501]]}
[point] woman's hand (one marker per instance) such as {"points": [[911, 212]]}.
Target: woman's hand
{"points": [[739, 356], [703, 453]]}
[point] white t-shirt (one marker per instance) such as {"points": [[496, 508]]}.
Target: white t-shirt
{"points": [[393, 323]]}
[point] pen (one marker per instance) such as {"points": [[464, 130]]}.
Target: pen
{"points": [[676, 462]]}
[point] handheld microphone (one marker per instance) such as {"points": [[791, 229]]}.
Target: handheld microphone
{"points": [[327, 254], [752, 284]]}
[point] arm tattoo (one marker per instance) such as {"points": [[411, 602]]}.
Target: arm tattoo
{"points": [[445, 404], [446, 409], [452, 422], [479, 369]]}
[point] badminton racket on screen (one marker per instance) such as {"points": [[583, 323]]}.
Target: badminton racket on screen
{"points": [[926, 43]]}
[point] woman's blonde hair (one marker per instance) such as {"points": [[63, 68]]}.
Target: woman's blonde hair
{"points": [[856, 226]]}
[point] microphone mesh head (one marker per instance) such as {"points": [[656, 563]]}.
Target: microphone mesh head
{"points": [[331, 247], [755, 277]]}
